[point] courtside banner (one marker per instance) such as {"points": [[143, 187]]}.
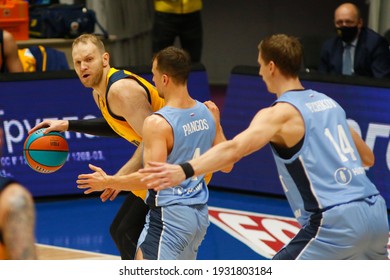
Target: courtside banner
{"points": [[28, 98], [366, 102]]}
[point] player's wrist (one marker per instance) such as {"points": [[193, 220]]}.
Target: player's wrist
{"points": [[187, 169], [66, 125]]}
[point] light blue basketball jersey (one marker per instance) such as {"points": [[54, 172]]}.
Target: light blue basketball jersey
{"points": [[327, 170], [194, 132]]}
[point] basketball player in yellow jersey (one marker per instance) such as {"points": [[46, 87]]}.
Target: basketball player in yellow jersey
{"points": [[125, 100]]}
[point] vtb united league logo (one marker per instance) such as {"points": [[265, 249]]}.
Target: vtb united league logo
{"points": [[263, 233]]}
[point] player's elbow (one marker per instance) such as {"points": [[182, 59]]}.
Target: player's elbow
{"points": [[227, 168], [368, 160]]}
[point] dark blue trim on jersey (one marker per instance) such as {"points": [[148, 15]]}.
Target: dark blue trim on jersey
{"points": [[298, 174], [151, 199], [300, 241], [151, 243]]}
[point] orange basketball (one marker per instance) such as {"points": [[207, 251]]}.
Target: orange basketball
{"points": [[45, 153]]}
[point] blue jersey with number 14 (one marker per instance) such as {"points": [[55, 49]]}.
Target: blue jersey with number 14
{"points": [[327, 170]]}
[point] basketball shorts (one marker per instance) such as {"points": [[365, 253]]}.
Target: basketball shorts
{"points": [[174, 232], [356, 230]]}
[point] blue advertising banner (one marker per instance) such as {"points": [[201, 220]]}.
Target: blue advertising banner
{"points": [[27, 99], [365, 101]]}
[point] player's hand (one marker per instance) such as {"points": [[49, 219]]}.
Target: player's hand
{"points": [[51, 125], [162, 175], [214, 110], [109, 194], [93, 182]]}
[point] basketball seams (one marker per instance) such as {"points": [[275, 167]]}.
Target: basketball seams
{"points": [[45, 153]]}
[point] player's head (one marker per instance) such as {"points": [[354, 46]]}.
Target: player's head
{"points": [[89, 59], [173, 62], [89, 38], [284, 51]]}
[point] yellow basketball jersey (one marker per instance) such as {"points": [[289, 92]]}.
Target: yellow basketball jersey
{"points": [[119, 124]]}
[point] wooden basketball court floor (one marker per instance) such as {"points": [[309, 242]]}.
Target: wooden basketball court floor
{"points": [[77, 227], [47, 252]]}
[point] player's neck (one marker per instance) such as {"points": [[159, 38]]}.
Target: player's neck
{"points": [[289, 84], [179, 98], [102, 86]]}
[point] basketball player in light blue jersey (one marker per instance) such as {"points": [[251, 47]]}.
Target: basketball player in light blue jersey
{"points": [[185, 128], [320, 161]]}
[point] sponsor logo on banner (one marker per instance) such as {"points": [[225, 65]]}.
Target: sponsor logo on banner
{"points": [[265, 234]]}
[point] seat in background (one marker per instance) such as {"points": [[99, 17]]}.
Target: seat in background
{"points": [[42, 59]]}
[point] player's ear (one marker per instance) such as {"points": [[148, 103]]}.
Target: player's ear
{"points": [[165, 79], [106, 59], [271, 65]]}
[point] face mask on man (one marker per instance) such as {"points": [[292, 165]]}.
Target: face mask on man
{"points": [[346, 33]]}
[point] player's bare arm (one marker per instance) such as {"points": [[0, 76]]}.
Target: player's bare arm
{"points": [[11, 53], [18, 222], [266, 126], [132, 165], [366, 154], [155, 148], [129, 100]]}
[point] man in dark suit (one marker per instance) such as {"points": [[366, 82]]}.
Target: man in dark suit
{"points": [[356, 50]]}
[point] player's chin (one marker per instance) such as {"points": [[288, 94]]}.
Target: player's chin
{"points": [[86, 81]]}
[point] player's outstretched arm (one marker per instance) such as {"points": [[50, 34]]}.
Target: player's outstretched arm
{"points": [[162, 175], [100, 181], [261, 130]]}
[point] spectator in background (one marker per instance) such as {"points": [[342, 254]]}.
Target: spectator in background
{"points": [[356, 50], [182, 19], [9, 59]]}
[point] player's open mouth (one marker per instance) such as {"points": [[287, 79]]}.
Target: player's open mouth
{"points": [[85, 76]]}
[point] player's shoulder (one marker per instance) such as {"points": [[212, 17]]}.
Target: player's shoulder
{"points": [[155, 120], [127, 88], [156, 124], [280, 112], [280, 108], [124, 84]]}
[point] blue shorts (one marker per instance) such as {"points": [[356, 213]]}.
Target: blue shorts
{"points": [[174, 232], [356, 230]]}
